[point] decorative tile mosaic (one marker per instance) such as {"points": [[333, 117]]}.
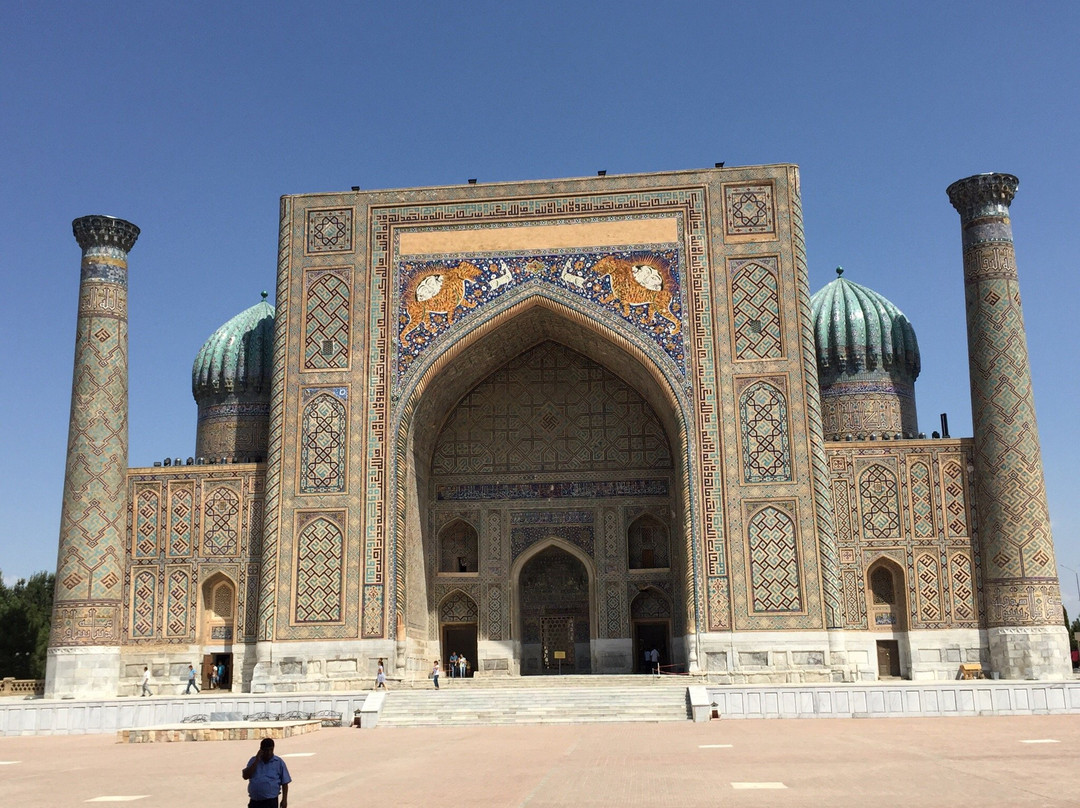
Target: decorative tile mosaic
{"points": [[580, 490], [324, 440], [749, 210], [522, 537], [772, 547], [642, 287], [327, 297], [329, 231], [319, 568], [757, 329], [763, 420]]}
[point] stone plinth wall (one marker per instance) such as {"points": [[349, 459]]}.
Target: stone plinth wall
{"points": [[217, 732]]}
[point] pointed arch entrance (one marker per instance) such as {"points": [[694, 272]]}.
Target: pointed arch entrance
{"points": [[217, 628], [541, 425]]}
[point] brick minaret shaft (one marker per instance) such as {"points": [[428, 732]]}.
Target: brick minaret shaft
{"points": [[1023, 600], [89, 571]]}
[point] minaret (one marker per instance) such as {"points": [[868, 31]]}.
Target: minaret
{"points": [[1025, 629], [84, 648]]}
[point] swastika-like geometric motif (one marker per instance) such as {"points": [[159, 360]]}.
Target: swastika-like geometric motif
{"points": [[181, 515], [147, 505], [650, 605], [251, 601], [319, 571], [177, 601], [719, 604], [922, 505], [551, 409], [143, 603], [326, 319], [774, 562], [323, 442], [928, 583], [221, 530], [963, 590], [748, 210], [458, 608], [763, 419], [879, 502], [854, 602], [330, 231], [755, 310], [952, 482]]}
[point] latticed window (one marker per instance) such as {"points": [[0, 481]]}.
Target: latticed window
{"points": [[881, 584], [223, 601]]}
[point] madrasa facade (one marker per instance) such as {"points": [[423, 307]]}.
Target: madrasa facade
{"points": [[551, 426]]}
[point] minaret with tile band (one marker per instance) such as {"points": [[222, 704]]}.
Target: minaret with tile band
{"points": [[1023, 601], [84, 653]]}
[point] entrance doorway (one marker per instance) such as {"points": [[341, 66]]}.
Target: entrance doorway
{"points": [[888, 658], [222, 664], [460, 639], [647, 637], [555, 614]]}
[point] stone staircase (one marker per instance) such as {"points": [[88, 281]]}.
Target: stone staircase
{"points": [[537, 700]]}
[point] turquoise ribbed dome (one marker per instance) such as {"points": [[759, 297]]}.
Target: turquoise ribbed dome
{"points": [[238, 356], [857, 330]]}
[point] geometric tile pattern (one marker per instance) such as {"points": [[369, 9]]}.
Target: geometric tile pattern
{"points": [[221, 529], [763, 418], [642, 288], [319, 571], [89, 575], [774, 561], [879, 502], [963, 588], [147, 505], [178, 602], [922, 504], [928, 586], [937, 569], [748, 210], [329, 231], [494, 613], [181, 517], [1014, 522], [952, 483], [458, 608], [144, 603], [324, 440], [755, 309], [551, 408], [326, 325]]}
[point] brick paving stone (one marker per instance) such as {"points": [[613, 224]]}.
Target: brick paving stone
{"points": [[827, 762]]}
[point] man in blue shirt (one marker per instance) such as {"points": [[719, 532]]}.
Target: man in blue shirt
{"points": [[267, 775]]}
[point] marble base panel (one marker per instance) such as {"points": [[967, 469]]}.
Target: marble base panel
{"points": [[323, 665], [169, 668], [1035, 652], [82, 673]]}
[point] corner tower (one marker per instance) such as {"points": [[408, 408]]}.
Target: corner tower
{"points": [[1023, 601], [84, 653]]}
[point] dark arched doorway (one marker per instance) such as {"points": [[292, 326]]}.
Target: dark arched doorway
{"points": [[553, 591]]}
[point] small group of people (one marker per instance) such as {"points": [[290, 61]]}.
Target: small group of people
{"points": [[217, 675], [459, 665], [652, 660]]}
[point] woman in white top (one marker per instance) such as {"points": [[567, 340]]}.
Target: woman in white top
{"points": [[380, 677]]}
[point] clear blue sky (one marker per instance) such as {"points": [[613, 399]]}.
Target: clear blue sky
{"points": [[191, 119]]}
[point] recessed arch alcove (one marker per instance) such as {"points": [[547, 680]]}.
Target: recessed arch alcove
{"points": [[509, 504]]}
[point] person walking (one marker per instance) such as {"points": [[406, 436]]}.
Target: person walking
{"points": [[654, 657], [434, 675], [191, 683], [267, 775], [146, 682], [380, 677]]}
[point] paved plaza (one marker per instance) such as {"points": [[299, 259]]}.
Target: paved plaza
{"points": [[995, 761]]}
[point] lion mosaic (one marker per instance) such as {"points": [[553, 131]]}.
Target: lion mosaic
{"points": [[643, 281], [440, 291]]}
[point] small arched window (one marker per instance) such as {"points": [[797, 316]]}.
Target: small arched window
{"points": [[459, 548], [647, 544], [881, 585]]}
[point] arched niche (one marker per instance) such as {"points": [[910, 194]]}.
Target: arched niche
{"points": [[647, 545], [554, 608], [218, 601], [885, 594], [459, 548], [426, 402]]}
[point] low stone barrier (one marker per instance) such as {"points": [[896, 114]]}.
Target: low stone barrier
{"points": [[218, 732], [9, 686]]}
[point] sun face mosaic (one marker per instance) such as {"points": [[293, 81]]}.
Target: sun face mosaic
{"points": [[640, 287]]}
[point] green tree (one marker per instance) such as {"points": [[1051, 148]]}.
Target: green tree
{"points": [[25, 618]]}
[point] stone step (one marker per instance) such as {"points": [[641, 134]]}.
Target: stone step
{"points": [[463, 706]]}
